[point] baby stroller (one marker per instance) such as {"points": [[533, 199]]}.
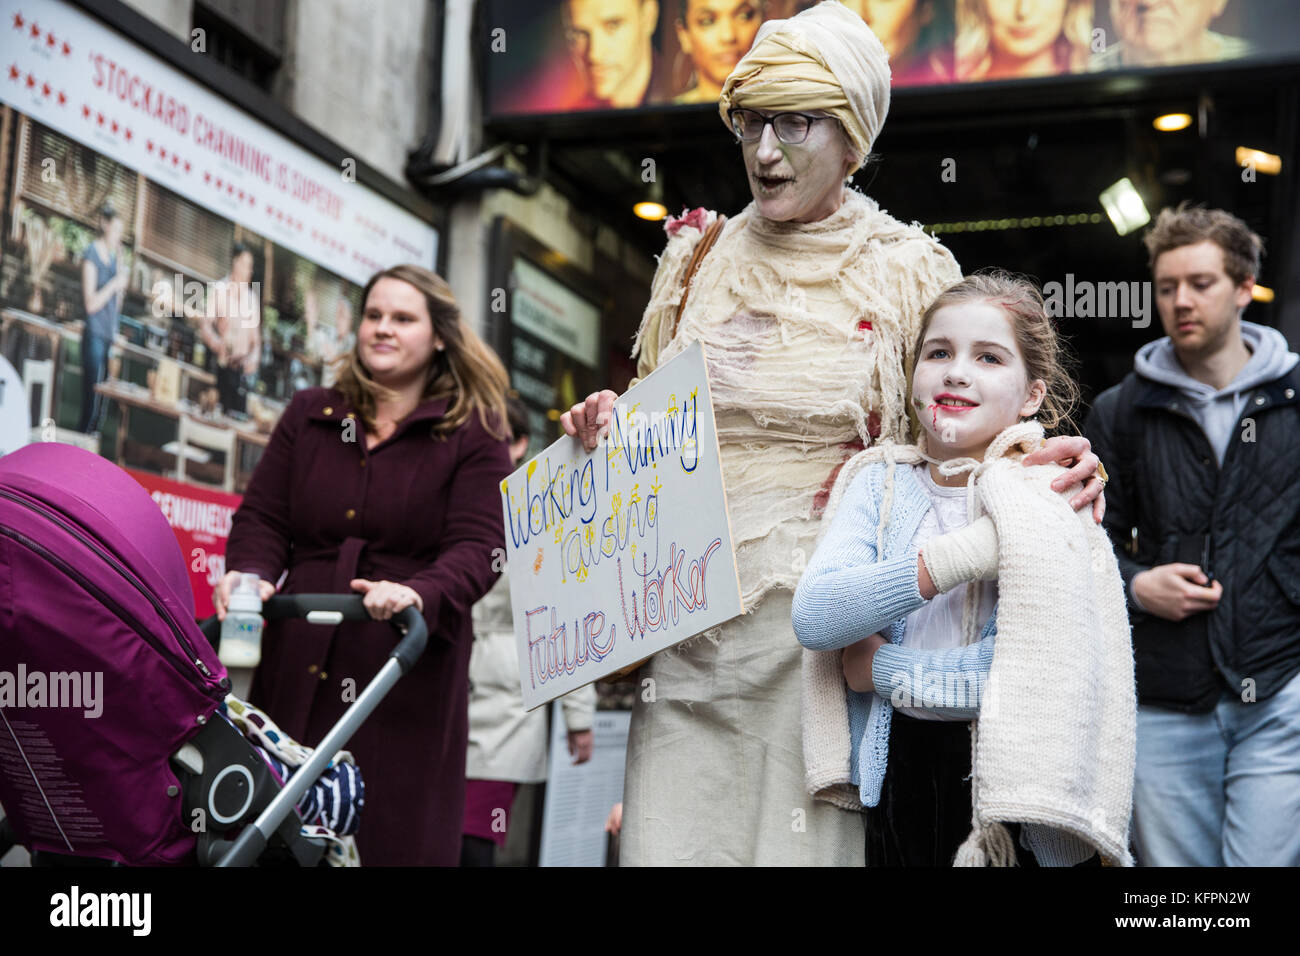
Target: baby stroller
{"points": [[111, 746]]}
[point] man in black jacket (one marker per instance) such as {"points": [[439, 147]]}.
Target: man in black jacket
{"points": [[1204, 510]]}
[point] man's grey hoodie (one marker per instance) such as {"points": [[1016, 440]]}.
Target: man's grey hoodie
{"points": [[1217, 412]]}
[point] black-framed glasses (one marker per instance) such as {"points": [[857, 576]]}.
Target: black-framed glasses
{"points": [[790, 128]]}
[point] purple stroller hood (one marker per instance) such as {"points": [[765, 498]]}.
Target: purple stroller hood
{"points": [[103, 672]]}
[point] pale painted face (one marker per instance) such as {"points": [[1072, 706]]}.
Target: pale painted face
{"points": [[803, 182], [1163, 27], [1199, 304], [610, 39], [1022, 29], [970, 381], [396, 338], [716, 34]]}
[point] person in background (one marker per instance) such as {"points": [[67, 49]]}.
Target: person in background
{"points": [[1000, 39], [385, 486], [231, 330], [714, 35], [103, 285], [1167, 33], [328, 343], [508, 744], [1205, 517], [611, 43]]}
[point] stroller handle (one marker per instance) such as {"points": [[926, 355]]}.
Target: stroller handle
{"points": [[329, 609], [333, 609]]}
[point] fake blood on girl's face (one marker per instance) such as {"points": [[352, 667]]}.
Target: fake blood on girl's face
{"points": [[970, 380]]}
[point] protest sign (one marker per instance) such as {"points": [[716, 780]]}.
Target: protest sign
{"points": [[619, 553]]}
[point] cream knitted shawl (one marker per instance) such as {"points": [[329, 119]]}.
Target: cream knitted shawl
{"points": [[1056, 737], [797, 384]]}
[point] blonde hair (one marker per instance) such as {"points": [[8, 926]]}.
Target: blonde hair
{"points": [[1040, 347], [465, 370], [974, 43]]}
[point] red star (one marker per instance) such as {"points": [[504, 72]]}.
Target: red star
{"points": [[230, 189], [187, 165], [67, 50], [14, 72], [207, 176], [35, 31], [115, 126], [162, 154], [99, 118], [31, 81], [241, 195], [218, 182], [176, 160], [45, 89], [300, 226], [18, 21], [251, 201], [63, 98], [269, 210], [128, 134], [149, 146], [50, 41]]}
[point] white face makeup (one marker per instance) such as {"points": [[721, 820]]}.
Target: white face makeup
{"points": [[970, 381], [802, 182]]}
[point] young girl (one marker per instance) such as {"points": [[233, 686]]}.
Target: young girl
{"points": [[902, 558]]}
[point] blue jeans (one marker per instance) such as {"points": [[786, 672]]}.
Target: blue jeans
{"points": [[94, 367], [1220, 789]]}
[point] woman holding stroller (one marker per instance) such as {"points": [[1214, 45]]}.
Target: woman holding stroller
{"points": [[384, 485]]}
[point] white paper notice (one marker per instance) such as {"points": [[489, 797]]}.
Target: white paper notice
{"points": [[579, 798], [620, 553]]}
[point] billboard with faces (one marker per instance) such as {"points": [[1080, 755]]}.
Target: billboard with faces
{"points": [[565, 56]]}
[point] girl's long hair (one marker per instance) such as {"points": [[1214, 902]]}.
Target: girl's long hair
{"points": [[466, 370], [1040, 347], [975, 39]]}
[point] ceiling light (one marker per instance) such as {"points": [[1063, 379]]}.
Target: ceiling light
{"points": [[1269, 164], [1172, 122], [652, 211], [1125, 207]]}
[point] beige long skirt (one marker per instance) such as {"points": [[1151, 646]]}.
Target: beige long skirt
{"points": [[715, 756]]}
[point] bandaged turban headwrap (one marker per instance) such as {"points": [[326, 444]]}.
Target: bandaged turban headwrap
{"points": [[826, 58]]}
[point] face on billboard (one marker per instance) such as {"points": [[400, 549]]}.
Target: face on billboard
{"points": [[1161, 27], [716, 34], [112, 230], [241, 267], [1023, 29], [610, 40], [896, 22]]}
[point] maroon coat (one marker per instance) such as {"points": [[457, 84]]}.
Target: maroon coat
{"points": [[415, 510]]}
